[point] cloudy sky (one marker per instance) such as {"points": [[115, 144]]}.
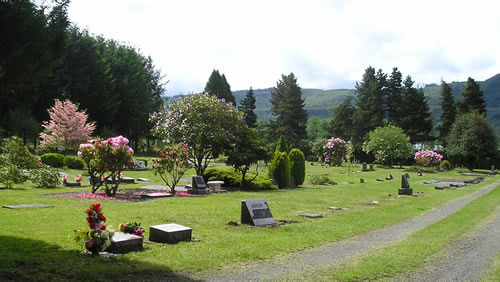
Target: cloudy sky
{"points": [[326, 44]]}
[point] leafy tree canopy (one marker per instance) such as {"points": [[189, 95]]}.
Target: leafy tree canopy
{"points": [[389, 144]]}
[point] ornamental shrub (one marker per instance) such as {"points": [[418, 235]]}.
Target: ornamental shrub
{"points": [[319, 179], [10, 174], [229, 176], [53, 159], [260, 183], [45, 177], [445, 165], [297, 166], [428, 158], [74, 162], [334, 151], [279, 169], [172, 164], [282, 145], [17, 154]]}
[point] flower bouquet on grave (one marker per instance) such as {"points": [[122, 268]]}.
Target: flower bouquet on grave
{"points": [[78, 178], [132, 228], [96, 237]]}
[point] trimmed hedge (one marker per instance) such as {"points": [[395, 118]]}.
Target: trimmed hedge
{"points": [[279, 169], [297, 166], [233, 179], [74, 162], [53, 159]]}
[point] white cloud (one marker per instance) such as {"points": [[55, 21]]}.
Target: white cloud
{"points": [[327, 44]]}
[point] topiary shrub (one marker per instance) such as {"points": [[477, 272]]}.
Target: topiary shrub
{"points": [[319, 179], [260, 183], [279, 169], [229, 176], [445, 165], [281, 145], [74, 162], [297, 166], [53, 159]]}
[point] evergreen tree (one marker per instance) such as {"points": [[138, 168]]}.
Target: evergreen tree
{"points": [[369, 112], [472, 99], [248, 107], [341, 123], [217, 85], [288, 107], [448, 113], [393, 96], [416, 120]]}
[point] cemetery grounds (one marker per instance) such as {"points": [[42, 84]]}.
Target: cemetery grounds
{"points": [[37, 243]]}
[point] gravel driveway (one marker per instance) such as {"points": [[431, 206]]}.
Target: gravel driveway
{"points": [[299, 265]]}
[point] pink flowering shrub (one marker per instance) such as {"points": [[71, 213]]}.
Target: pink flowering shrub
{"points": [[105, 160], [428, 158], [173, 161], [334, 151]]}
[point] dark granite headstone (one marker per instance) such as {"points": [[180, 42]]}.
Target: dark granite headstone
{"points": [[364, 167], [361, 180], [169, 233], [371, 167], [256, 213], [127, 180], [72, 184], [198, 186], [122, 243], [405, 185]]}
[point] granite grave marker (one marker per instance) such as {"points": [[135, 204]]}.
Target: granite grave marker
{"points": [[256, 213]]}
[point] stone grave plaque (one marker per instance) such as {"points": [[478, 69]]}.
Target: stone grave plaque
{"points": [[156, 195], [127, 180], [72, 184], [312, 215], [27, 206], [256, 213], [122, 243], [171, 233], [198, 186]]}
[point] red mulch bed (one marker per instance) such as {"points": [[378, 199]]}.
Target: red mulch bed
{"points": [[125, 195]]}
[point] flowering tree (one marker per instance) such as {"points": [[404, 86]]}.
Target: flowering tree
{"points": [[428, 158], [388, 144], [174, 161], [105, 160], [334, 151], [67, 127], [208, 124]]}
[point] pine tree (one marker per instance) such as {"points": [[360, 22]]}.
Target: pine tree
{"points": [[288, 107], [415, 115], [449, 111], [472, 99], [248, 107], [341, 124], [369, 112], [217, 85], [393, 96]]}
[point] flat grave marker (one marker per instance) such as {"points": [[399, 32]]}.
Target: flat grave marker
{"points": [[156, 195], [171, 233], [312, 215], [27, 206], [122, 243], [256, 213]]}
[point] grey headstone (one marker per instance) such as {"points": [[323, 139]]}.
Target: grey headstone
{"points": [[127, 180], [171, 233], [27, 206], [312, 215], [380, 179], [371, 167], [364, 167], [122, 243], [405, 186], [143, 179], [361, 180], [256, 213], [140, 165]]}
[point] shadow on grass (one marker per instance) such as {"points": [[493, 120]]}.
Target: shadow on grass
{"points": [[26, 259]]}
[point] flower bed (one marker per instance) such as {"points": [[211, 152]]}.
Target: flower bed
{"points": [[126, 195]]}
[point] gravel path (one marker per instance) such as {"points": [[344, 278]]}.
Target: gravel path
{"points": [[466, 259], [294, 265]]}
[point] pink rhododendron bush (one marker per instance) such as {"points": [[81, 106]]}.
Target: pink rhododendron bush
{"points": [[105, 160], [428, 158], [334, 151]]}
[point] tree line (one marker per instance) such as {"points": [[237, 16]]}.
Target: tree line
{"points": [[44, 57]]}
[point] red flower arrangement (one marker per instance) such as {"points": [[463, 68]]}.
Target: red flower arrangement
{"points": [[96, 237]]}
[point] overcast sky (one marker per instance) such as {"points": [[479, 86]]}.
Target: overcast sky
{"points": [[326, 44]]}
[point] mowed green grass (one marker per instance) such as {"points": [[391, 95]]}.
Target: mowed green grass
{"points": [[38, 243]]}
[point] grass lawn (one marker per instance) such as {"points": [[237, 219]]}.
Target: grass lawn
{"points": [[38, 243]]}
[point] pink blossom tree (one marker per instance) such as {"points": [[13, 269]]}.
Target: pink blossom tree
{"points": [[67, 127]]}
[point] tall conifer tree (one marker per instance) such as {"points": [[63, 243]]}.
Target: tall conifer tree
{"points": [[472, 99], [393, 96], [288, 107], [449, 111], [341, 124], [217, 85], [248, 107]]}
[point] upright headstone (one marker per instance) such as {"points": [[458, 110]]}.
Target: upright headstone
{"points": [[364, 167], [198, 186], [256, 213], [405, 185], [371, 167], [493, 170]]}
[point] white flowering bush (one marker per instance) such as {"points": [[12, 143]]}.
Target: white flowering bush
{"points": [[334, 151]]}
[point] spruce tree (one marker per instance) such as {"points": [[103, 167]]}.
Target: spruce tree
{"points": [[472, 99], [288, 107], [248, 107], [448, 113], [341, 123], [416, 120], [393, 96], [217, 85]]}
